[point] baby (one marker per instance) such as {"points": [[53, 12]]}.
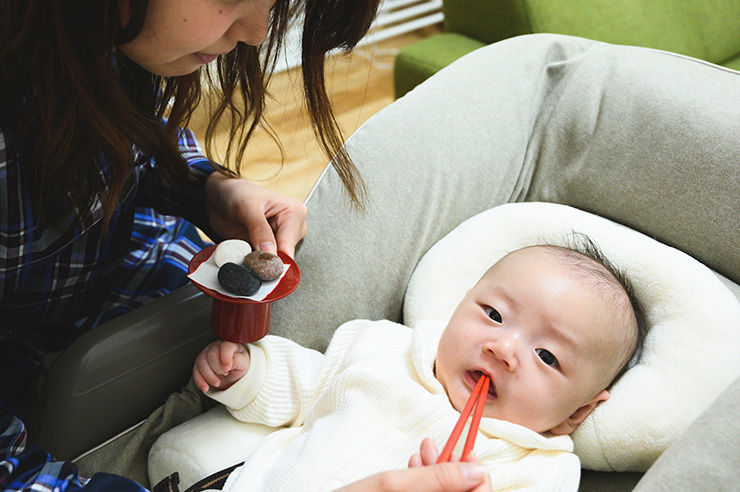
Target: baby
{"points": [[552, 327]]}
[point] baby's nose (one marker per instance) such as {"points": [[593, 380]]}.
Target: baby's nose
{"points": [[506, 349]]}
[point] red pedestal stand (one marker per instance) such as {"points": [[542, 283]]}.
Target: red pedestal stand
{"points": [[243, 320]]}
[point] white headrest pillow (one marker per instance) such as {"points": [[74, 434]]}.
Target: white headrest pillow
{"points": [[691, 353]]}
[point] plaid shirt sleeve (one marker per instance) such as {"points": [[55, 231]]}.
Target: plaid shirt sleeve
{"points": [[33, 469], [187, 200], [58, 282]]}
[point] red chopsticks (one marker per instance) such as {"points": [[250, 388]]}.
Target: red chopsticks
{"points": [[477, 398]]}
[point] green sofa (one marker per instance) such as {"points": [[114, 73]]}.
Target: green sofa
{"points": [[708, 30]]}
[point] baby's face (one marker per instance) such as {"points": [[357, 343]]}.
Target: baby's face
{"points": [[539, 331]]}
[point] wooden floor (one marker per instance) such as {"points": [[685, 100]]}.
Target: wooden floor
{"points": [[360, 85]]}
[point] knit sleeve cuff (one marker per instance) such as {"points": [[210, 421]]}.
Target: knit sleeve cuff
{"points": [[244, 391]]}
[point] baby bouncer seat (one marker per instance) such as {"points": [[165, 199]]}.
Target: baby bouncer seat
{"points": [[643, 138]]}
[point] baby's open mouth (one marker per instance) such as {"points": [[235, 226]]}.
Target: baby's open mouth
{"points": [[476, 375]]}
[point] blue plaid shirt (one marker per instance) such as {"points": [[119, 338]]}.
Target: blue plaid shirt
{"points": [[33, 469], [56, 285]]}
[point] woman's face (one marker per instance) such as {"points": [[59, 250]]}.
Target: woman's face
{"points": [[179, 36]]}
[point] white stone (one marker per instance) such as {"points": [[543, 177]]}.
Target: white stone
{"points": [[231, 251]]}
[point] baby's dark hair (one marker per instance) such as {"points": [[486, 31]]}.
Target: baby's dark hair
{"points": [[600, 268]]}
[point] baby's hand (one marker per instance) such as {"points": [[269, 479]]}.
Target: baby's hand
{"points": [[220, 365]]}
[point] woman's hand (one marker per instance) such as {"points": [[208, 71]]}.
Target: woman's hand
{"points": [[424, 474], [427, 455], [239, 209], [445, 477], [220, 365]]}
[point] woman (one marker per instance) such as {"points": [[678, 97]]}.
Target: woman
{"points": [[94, 163]]}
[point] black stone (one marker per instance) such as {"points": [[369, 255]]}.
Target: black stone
{"points": [[238, 279]]}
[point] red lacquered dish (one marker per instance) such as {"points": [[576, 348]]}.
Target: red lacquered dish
{"points": [[243, 320]]}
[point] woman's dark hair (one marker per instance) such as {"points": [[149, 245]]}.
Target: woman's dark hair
{"points": [[70, 98]]}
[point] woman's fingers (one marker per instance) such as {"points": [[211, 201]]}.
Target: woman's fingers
{"points": [[444, 477], [428, 452]]}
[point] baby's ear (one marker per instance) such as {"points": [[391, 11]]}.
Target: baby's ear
{"points": [[572, 422]]}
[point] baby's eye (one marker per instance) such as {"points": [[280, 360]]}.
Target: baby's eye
{"points": [[547, 357], [493, 314]]}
